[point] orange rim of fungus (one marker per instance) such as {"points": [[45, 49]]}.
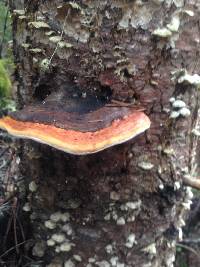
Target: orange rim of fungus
{"points": [[76, 142]]}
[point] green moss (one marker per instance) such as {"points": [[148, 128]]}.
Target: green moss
{"points": [[5, 83], [3, 11]]}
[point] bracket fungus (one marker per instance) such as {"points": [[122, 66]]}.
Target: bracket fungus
{"points": [[75, 124]]}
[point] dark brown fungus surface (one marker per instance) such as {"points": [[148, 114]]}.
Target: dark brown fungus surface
{"points": [[75, 124]]}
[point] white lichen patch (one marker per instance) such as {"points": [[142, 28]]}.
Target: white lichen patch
{"points": [[58, 238], [65, 217], [114, 260], [180, 109], [19, 12], [25, 45], [177, 185], [91, 260], [131, 218], [22, 17], [182, 76], [121, 221], [162, 32], [178, 3], [180, 222], [145, 165], [171, 244], [103, 263], [27, 207], [135, 14], [173, 26], [189, 193], [55, 39], [51, 242], [57, 249], [178, 104], [187, 204], [75, 5], [45, 64], [124, 22], [130, 241], [69, 263], [66, 246], [114, 195], [131, 205], [196, 132], [161, 186], [39, 24], [188, 12], [150, 249], [180, 234], [35, 50], [172, 99], [174, 114], [32, 187], [50, 224], [67, 229], [77, 257], [107, 217], [168, 151], [55, 217], [53, 264], [63, 44], [49, 33], [142, 17], [158, 2], [109, 249], [39, 249], [184, 112]]}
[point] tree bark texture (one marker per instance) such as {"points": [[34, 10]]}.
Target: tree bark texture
{"points": [[124, 206]]}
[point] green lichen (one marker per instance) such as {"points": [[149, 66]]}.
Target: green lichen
{"points": [[5, 83]]}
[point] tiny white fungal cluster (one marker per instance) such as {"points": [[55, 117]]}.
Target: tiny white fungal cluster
{"points": [[188, 198], [27, 207], [173, 26], [69, 263], [177, 186], [112, 262], [38, 25], [32, 188], [182, 76], [45, 64], [39, 249], [179, 108], [145, 165], [196, 132], [126, 213], [169, 261], [59, 223], [150, 249], [130, 241], [180, 223]]}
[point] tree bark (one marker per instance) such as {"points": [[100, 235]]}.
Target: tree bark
{"points": [[124, 206]]}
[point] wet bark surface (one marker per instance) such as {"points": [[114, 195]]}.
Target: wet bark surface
{"points": [[123, 206]]}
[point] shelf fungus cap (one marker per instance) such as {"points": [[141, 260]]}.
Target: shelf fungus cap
{"points": [[76, 130]]}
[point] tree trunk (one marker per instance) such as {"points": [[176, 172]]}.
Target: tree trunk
{"points": [[124, 206]]}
